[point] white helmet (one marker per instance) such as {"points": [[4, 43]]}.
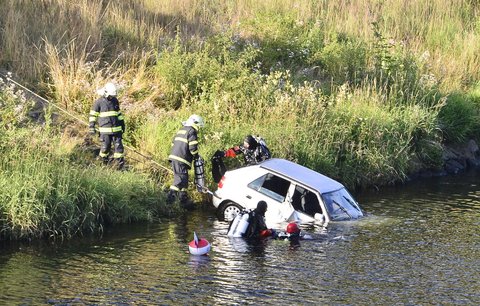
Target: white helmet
{"points": [[108, 90], [195, 119]]}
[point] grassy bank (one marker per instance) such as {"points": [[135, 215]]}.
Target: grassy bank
{"points": [[363, 91], [49, 190]]}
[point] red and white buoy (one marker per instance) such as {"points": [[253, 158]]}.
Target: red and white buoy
{"points": [[198, 246]]}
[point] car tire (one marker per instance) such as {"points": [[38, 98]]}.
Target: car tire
{"points": [[228, 211]]}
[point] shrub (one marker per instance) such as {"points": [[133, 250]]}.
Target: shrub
{"points": [[459, 118]]}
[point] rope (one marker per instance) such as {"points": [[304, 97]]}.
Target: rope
{"points": [[8, 77]]}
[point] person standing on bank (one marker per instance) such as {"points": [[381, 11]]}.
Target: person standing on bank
{"points": [[111, 124], [184, 152]]}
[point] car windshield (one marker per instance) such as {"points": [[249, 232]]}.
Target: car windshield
{"points": [[341, 205]]}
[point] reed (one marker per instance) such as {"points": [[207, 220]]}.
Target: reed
{"points": [[49, 189], [448, 30], [49, 195]]}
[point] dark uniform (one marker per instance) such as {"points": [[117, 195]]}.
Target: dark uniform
{"points": [[106, 111], [256, 222], [184, 151]]}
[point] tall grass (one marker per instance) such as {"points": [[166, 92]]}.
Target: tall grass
{"points": [[448, 30], [359, 90], [45, 194], [47, 190]]}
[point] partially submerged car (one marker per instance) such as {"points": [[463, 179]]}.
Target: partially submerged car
{"points": [[292, 192]]}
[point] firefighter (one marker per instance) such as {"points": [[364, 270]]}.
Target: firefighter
{"points": [[184, 151], [111, 125]]}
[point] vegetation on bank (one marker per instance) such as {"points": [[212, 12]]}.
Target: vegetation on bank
{"points": [[49, 190], [363, 91]]}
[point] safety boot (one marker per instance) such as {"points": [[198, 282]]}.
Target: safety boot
{"points": [[185, 201], [171, 196], [120, 163], [183, 197]]}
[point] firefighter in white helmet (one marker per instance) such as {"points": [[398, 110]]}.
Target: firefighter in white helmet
{"points": [[111, 125], [184, 151]]}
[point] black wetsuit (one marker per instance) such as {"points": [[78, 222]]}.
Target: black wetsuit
{"points": [[256, 224]]}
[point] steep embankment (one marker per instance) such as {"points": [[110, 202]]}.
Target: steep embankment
{"points": [[368, 93], [50, 185]]}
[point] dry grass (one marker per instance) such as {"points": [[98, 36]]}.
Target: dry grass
{"points": [[447, 29]]}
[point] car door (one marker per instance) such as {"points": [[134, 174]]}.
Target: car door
{"points": [[274, 190], [306, 203]]}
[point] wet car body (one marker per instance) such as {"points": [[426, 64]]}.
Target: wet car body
{"points": [[292, 192]]}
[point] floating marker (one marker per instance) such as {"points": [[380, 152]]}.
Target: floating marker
{"points": [[198, 246]]}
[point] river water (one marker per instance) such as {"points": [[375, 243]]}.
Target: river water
{"points": [[419, 245]]}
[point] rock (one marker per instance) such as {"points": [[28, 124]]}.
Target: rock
{"points": [[453, 166], [472, 150]]}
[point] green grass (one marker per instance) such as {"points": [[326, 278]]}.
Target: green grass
{"points": [[46, 194], [363, 91], [50, 188]]}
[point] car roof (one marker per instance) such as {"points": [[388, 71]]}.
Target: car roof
{"points": [[301, 174]]}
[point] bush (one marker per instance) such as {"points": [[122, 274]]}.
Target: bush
{"points": [[459, 118]]}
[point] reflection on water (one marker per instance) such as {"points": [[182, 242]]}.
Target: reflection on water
{"points": [[419, 244]]}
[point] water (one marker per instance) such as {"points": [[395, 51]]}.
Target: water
{"points": [[419, 244]]}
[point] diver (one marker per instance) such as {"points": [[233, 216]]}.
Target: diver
{"points": [[254, 150], [293, 232], [251, 224]]}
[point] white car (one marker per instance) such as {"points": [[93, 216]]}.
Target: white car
{"points": [[292, 192]]}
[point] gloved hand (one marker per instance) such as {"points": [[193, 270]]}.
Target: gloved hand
{"points": [[230, 153], [92, 131], [266, 233]]}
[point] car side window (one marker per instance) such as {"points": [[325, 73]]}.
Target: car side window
{"points": [[272, 186]]}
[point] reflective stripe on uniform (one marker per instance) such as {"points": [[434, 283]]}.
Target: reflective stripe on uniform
{"points": [[191, 143], [101, 154], [181, 139], [183, 132], [117, 155], [110, 129], [174, 188], [179, 159], [108, 114], [93, 116]]}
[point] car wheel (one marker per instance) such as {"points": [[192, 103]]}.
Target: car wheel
{"points": [[228, 211]]}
